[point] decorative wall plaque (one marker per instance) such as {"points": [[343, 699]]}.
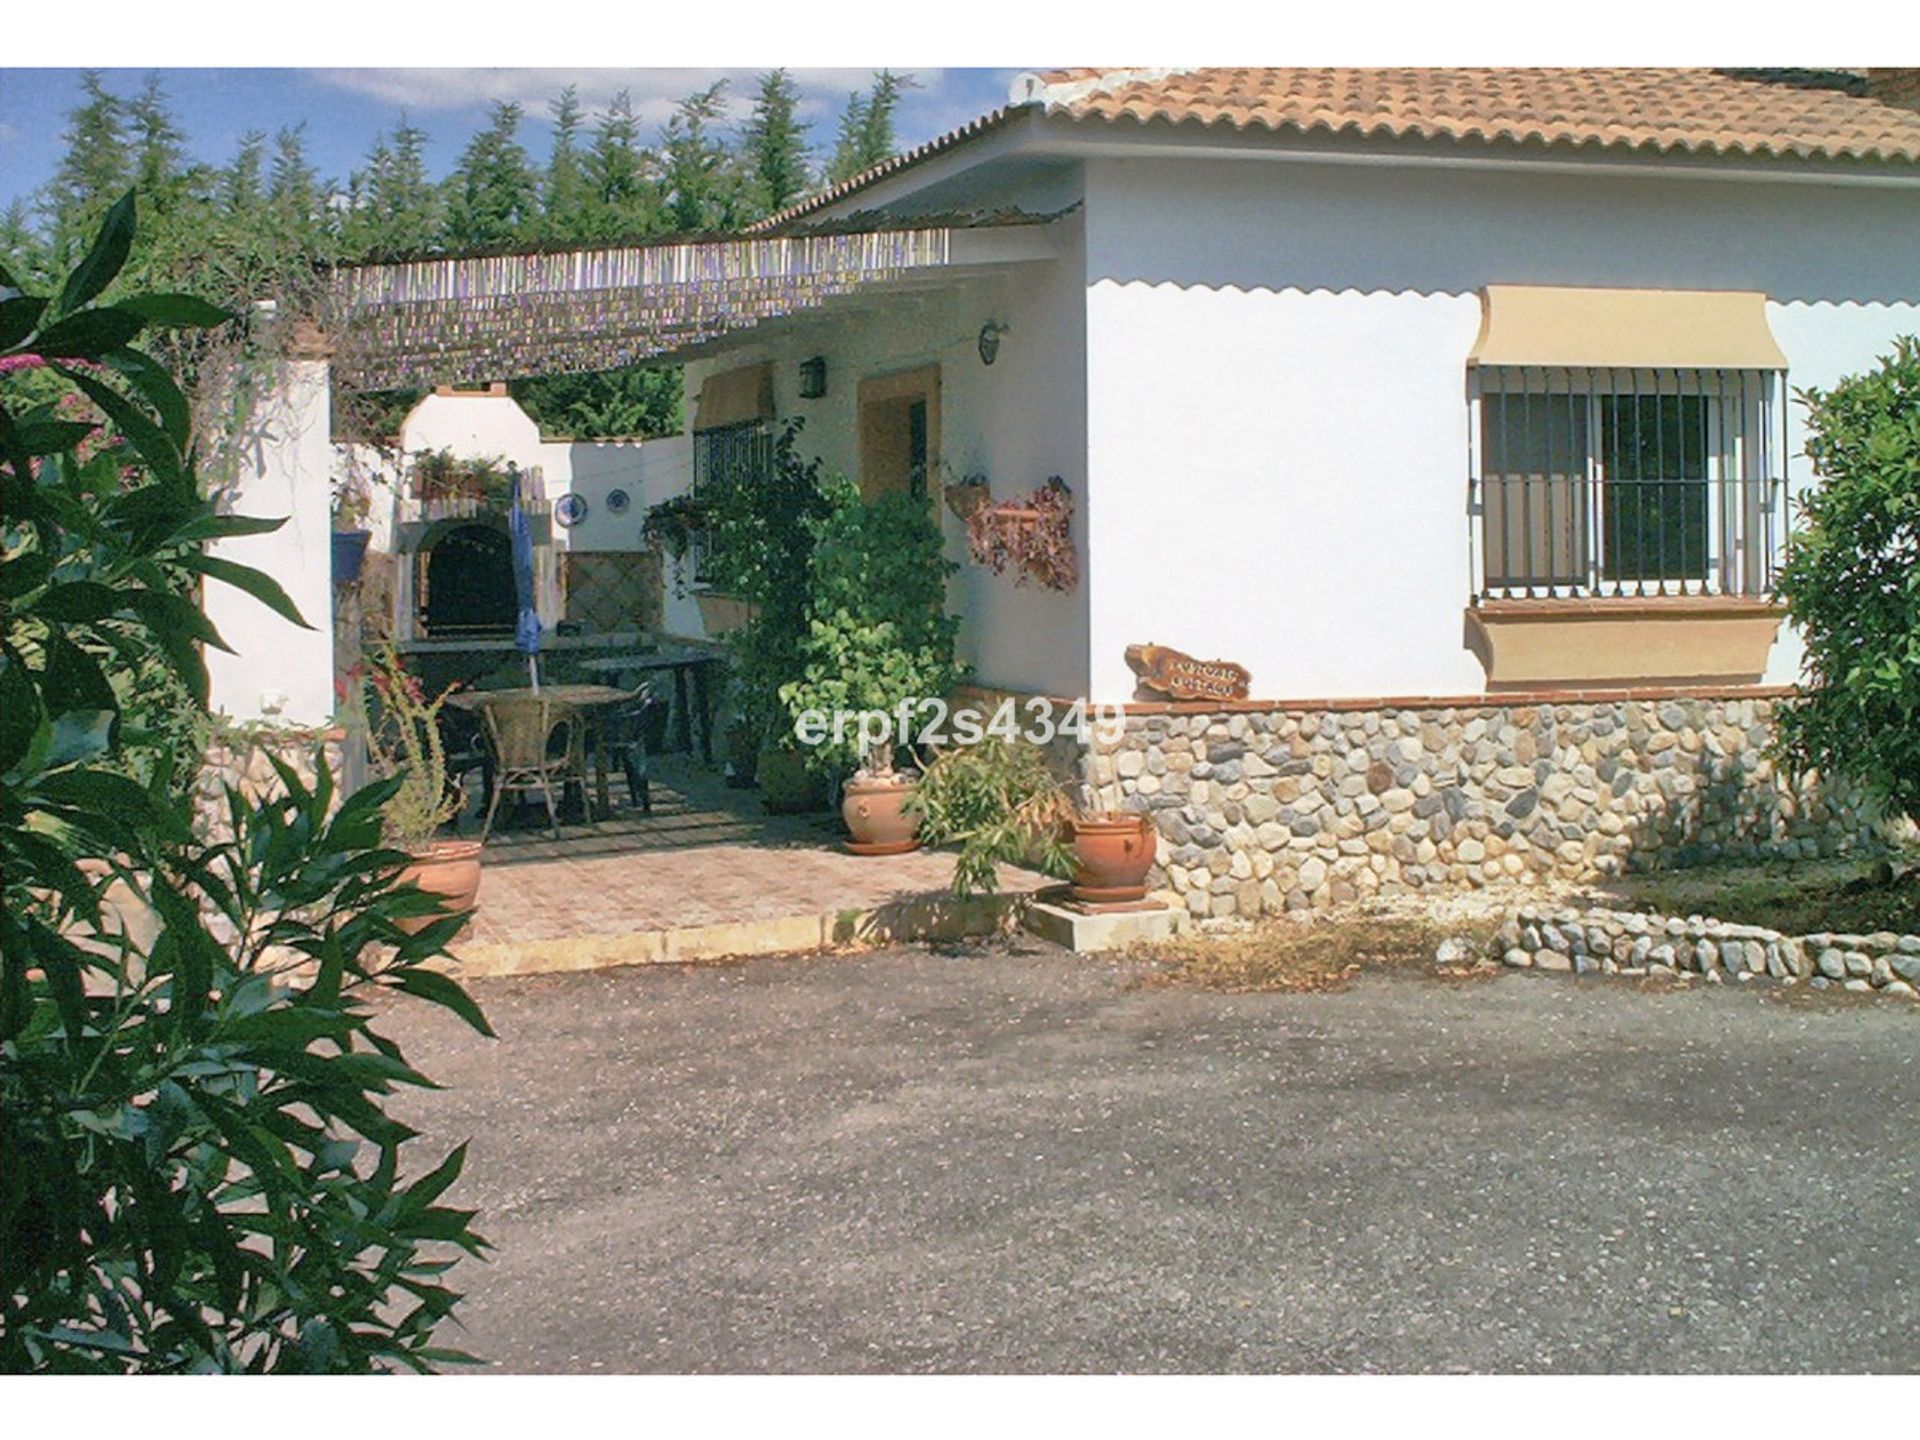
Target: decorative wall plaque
{"points": [[1179, 676]]}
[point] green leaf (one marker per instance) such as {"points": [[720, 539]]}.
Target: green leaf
{"points": [[436, 988], [20, 712], [177, 311], [104, 260], [257, 583], [151, 379], [18, 316], [152, 443], [79, 602], [88, 334]]}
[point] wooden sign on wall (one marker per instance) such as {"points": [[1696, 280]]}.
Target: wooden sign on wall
{"points": [[1179, 676]]}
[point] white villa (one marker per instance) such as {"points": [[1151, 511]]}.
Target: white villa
{"points": [[1454, 405]]}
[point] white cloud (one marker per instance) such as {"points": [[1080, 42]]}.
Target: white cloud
{"points": [[653, 92]]}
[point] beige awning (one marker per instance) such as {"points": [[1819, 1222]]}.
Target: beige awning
{"points": [[1667, 329], [735, 397]]}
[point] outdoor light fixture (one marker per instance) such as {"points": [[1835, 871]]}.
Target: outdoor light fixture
{"points": [[813, 378], [990, 334]]}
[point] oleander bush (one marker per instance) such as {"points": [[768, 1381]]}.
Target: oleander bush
{"points": [[198, 1171]]}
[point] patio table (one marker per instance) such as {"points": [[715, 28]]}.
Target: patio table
{"points": [[588, 700], [684, 664]]}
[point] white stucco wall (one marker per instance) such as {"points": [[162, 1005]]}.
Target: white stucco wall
{"points": [[279, 672], [1276, 384], [1017, 421]]}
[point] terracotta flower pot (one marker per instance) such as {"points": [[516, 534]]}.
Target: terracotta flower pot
{"points": [[1112, 854], [873, 810], [450, 869]]}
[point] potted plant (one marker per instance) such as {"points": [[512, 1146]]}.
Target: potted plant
{"points": [[403, 739], [352, 502], [878, 638], [998, 802], [442, 475]]}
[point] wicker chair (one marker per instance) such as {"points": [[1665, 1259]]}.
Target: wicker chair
{"points": [[522, 730]]}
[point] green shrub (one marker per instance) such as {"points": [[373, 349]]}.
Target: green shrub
{"points": [[197, 1171], [878, 631], [999, 804], [1852, 584]]}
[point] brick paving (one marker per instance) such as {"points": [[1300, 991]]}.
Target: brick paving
{"points": [[707, 855]]}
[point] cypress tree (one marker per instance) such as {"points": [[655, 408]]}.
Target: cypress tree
{"points": [[702, 189], [93, 173], [563, 194], [492, 193], [776, 145]]}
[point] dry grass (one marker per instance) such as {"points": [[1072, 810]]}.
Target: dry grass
{"points": [[1328, 953]]}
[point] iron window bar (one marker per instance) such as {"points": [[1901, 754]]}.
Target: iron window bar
{"points": [[1624, 483], [731, 455]]}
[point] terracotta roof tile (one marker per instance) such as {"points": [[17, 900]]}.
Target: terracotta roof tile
{"points": [[1811, 115], [1780, 113]]}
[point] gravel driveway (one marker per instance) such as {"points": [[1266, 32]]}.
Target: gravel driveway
{"points": [[1019, 1160]]}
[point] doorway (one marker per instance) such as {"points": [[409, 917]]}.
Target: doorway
{"points": [[900, 433]]}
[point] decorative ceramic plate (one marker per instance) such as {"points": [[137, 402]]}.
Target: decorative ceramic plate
{"points": [[617, 502], [570, 510]]}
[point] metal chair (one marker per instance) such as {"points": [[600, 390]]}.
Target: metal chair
{"points": [[465, 741], [522, 730], [625, 736]]}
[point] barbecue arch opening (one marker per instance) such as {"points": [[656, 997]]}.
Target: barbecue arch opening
{"points": [[466, 582]]}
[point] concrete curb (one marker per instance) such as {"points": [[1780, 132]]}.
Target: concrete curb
{"points": [[917, 918]]}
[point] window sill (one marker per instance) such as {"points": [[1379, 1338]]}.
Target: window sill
{"points": [[1639, 640]]}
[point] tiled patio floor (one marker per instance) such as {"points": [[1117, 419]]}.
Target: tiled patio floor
{"points": [[707, 859]]}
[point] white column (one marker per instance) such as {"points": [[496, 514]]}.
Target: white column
{"points": [[280, 673]]}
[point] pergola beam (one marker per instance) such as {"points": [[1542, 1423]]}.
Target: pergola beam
{"points": [[466, 319]]}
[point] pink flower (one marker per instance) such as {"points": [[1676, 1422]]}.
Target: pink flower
{"points": [[10, 363]]}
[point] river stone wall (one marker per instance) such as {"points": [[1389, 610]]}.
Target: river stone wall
{"points": [[1623, 942], [1267, 810]]}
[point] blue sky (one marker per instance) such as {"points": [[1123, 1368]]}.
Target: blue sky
{"points": [[346, 109]]}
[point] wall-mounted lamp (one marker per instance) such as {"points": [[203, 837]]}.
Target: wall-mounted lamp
{"points": [[813, 378], [990, 334]]}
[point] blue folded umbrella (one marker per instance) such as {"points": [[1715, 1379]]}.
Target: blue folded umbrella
{"points": [[526, 630]]}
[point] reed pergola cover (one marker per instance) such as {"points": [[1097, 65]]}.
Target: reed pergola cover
{"points": [[464, 319]]}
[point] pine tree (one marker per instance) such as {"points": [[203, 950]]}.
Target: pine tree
{"points": [[294, 190], [620, 201], [848, 144], [563, 192], [866, 127], [392, 208], [159, 157], [21, 247], [409, 200], [242, 189], [93, 172], [776, 145], [702, 181], [492, 195]]}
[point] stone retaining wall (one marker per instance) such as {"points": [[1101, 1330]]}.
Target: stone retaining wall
{"points": [[1623, 942], [1265, 810]]}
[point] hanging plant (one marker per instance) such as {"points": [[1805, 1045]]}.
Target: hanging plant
{"points": [[1032, 535]]}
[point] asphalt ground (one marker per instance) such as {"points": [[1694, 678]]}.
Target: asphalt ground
{"points": [[1000, 1159]]}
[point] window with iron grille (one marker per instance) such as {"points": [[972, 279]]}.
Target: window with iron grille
{"points": [[1604, 482], [733, 455]]}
